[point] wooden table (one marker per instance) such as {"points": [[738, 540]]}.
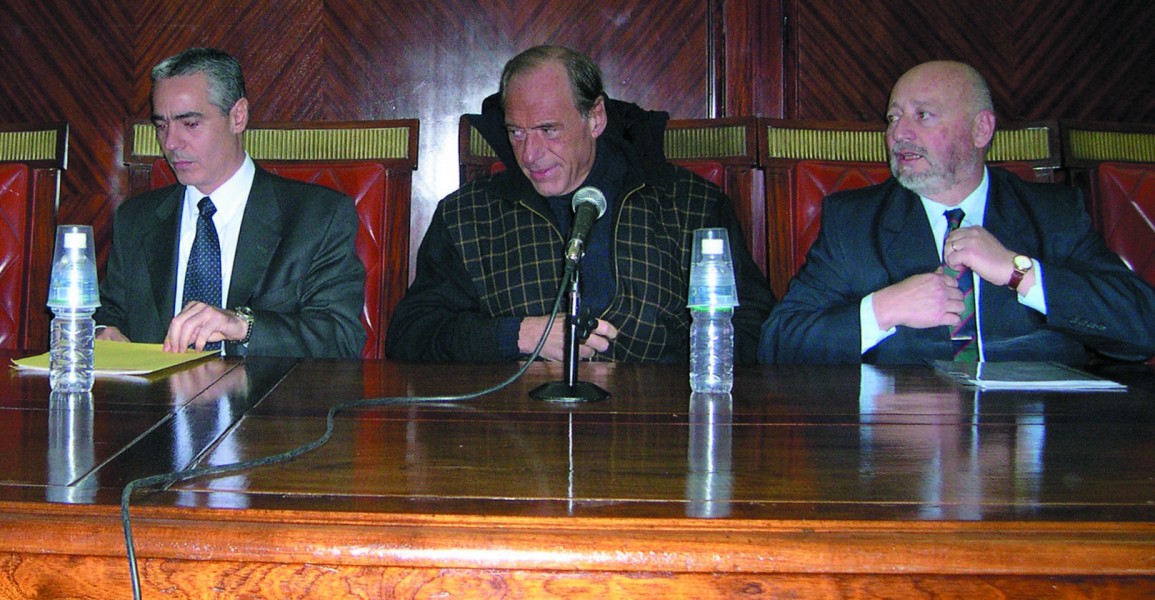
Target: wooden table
{"points": [[811, 482]]}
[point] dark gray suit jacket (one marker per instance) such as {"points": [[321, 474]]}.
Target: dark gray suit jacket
{"points": [[877, 236], [295, 266]]}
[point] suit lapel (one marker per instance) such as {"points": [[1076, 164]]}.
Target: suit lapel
{"points": [[160, 243], [259, 237], [905, 241], [1005, 218]]}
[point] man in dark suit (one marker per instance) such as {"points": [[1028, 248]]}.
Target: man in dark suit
{"points": [[238, 255], [878, 285]]}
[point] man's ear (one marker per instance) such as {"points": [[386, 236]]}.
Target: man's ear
{"points": [[983, 128], [239, 116], [597, 118]]}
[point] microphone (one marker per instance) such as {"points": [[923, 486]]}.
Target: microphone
{"points": [[589, 204]]}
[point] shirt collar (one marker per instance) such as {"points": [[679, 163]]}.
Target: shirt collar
{"points": [[230, 196], [974, 206]]}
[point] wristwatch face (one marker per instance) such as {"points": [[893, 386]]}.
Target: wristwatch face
{"points": [[1022, 263]]}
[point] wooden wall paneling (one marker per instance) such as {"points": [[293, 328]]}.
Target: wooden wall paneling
{"points": [[753, 47], [1043, 60], [277, 43], [72, 61], [1082, 59]]}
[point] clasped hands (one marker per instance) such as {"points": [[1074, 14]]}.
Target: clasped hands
{"points": [[196, 325], [934, 299], [595, 335]]}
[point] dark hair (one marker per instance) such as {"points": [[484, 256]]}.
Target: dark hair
{"points": [[226, 82], [585, 79]]}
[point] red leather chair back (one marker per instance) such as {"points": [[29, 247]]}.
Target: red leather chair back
{"points": [[1125, 201], [34, 155], [368, 184], [813, 180], [15, 191], [712, 171]]}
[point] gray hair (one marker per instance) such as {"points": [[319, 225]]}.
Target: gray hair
{"points": [[226, 82], [585, 79]]}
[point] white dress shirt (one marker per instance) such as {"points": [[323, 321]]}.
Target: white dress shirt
{"points": [[230, 199]]}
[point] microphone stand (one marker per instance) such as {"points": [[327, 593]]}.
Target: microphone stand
{"points": [[570, 390]]}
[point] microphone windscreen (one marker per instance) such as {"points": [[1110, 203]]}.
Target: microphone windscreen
{"points": [[590, 195]]}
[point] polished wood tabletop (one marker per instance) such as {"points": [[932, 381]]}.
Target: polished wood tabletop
{"points": [[819, 481]]}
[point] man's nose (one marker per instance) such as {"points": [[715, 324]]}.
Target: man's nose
{"points": [[530, 149], [169, 139], [899, 130]]}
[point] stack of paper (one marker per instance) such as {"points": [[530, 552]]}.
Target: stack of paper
{"points": [[1025, 376], [123, 358]]}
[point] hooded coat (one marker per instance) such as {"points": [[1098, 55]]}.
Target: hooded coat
{"points": [[493, 254]]}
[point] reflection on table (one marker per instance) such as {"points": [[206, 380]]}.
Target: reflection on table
{"points": [[803, 481]]}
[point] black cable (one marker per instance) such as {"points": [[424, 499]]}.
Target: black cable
{"points": [[177, 476]]}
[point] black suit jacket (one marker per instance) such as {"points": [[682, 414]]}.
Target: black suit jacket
{"points": [[295, 266], [877, 236]]}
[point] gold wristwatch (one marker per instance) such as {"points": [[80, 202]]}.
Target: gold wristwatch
{"points": [[1021, 264]]}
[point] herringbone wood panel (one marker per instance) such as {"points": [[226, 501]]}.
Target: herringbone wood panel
{"points": [[1084, 59], [72, 61]]}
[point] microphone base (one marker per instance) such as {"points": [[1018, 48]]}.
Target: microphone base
{"points": [[561, 392]]}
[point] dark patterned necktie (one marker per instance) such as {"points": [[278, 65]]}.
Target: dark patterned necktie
{"points": [[964, 334], [202, 278]]}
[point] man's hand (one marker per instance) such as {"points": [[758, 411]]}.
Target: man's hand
{"points": [[531, 328], [976, 249], [112, 334], [198, 324], [919, 301]]}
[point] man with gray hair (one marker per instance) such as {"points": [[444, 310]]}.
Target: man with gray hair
{"points": [[953, 260], [231, 254], [492, 260]]}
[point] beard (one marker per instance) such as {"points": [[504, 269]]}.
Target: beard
{"points": [[939, 177]]}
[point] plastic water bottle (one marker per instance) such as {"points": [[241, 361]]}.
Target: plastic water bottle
{"points": [[712, 350], [712, 298], [71, 351], [73, 297]]}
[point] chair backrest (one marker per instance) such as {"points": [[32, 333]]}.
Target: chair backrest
{"points": [[31, 158], [1088, 144], [804, 161], [1114, 163], [1127, 213], [724, 151], [370, 161]]}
